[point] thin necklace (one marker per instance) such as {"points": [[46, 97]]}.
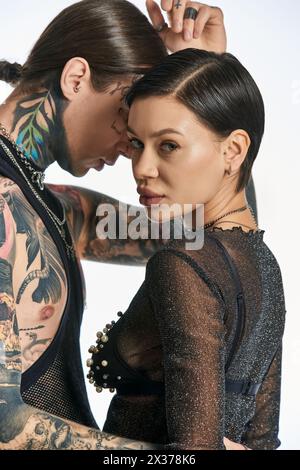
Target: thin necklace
{"points": [[57, 222], [241, 209]]}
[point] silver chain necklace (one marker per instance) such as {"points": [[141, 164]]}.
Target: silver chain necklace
{"points": [[39, 181], [37, 176]]}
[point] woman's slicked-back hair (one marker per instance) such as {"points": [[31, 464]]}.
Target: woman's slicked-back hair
{"points": [[114, 36], [217, 89]]}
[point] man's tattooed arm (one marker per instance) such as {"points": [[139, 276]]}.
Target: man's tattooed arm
{"points": [[22, 426], [81, 208], [35, 430]]}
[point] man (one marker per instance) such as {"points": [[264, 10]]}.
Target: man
{"points": [[68, 107]]}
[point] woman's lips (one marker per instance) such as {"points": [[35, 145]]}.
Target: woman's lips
{"points": [[150, 201], [148, 197]]}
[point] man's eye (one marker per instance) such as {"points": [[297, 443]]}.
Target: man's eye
{"points": [[136, 144]]}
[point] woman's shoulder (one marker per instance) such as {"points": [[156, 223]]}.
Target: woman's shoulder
{"points": [[175, 263], [174, 253], [177, 279], [213, 260]]}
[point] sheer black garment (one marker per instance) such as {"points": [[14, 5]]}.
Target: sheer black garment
{"points": [[178, 332]]}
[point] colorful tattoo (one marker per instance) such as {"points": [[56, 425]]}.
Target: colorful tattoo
{"points": [[38, 244], [41, 134], [37, 116], [19, 219], [10, 350]]}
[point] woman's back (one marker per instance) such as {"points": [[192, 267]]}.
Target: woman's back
{"points": [[182, 330]]}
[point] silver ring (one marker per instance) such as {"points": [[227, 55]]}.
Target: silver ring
{"points": [[190, 13], [160, 28]]}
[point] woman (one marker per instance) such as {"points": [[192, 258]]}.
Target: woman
{"points": [[197, 355]]}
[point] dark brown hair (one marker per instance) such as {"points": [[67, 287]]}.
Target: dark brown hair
{"points": [[114, 36], [217, 89]]}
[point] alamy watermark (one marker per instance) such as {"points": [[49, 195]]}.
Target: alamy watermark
{"points": [[161, 222]]}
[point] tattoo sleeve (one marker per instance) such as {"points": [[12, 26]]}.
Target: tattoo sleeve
{"points": [[81, 207], [22, 426], [41, 431]]}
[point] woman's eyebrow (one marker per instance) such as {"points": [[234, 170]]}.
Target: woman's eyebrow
{"points": [[158, 133]]}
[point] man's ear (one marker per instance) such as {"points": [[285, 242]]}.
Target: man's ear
{"points": [[235, 149], [75, 78]]}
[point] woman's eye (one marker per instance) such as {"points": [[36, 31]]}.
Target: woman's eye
{"points": [[136, 144], [169, 146], [166, 147]]}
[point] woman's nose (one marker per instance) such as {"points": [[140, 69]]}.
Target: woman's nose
{"points": [[144, 166]]}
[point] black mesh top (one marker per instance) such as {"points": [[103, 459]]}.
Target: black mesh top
{"points": [[55, 382], [187, 363]]}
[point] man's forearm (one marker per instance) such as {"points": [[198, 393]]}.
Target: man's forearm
{"points": [[41, 431], [81, 207]]}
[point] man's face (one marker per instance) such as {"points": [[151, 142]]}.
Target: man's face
{"points": [[96, 128]]}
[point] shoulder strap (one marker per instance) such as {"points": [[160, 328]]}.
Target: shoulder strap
{"points": [[240, 300]]}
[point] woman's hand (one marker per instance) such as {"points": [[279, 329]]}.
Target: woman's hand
{"points": [[230, 445], [206, 32]]}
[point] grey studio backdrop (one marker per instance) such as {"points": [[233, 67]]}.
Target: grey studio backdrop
{"points": [[265, 36]]}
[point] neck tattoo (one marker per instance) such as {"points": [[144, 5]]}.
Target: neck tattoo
{"points": [[40, 130]]}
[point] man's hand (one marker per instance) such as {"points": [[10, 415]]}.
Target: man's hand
{"points": [[206, 32]]}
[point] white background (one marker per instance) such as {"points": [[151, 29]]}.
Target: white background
{"points": [[265, 36]]}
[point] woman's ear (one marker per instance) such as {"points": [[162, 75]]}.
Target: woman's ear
{"points": [[75, 78], [235, 149]]}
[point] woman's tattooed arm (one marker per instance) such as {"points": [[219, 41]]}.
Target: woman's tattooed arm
{"points": [[81, 207]]}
